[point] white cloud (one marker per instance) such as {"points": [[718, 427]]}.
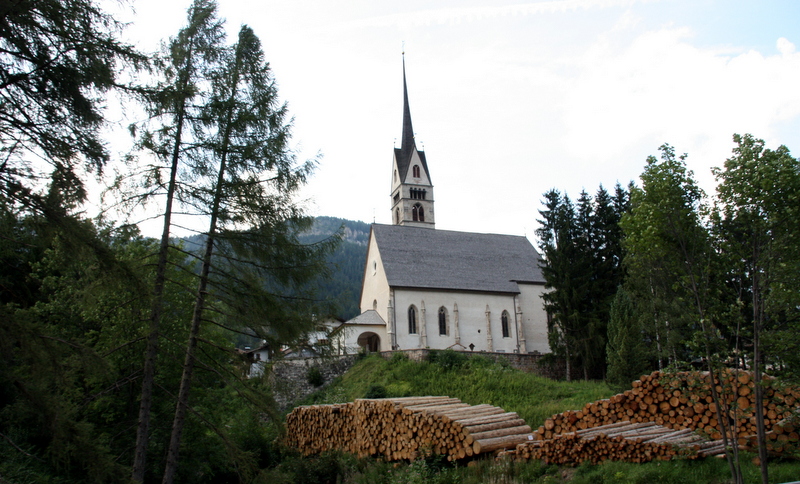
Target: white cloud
{"points": [[661, 88], [459, 15], [784, 46]]}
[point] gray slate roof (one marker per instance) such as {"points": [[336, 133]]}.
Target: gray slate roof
{"points": [[442, 259], [368, 318]]}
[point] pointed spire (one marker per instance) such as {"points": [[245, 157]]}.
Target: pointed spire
{"points": [[407, 142]]}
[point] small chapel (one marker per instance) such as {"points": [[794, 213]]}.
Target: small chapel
{"points": [[439, 289]]}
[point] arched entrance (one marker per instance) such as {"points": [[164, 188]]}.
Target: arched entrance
{"points": [[370, 341]]}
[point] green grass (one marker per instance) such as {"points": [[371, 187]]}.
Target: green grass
{"points": [[475, 380]]}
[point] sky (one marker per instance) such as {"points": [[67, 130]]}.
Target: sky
{"points": [[509, 100]]}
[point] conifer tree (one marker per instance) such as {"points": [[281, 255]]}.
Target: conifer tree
{"points": [[249, 204], [174, 103]]}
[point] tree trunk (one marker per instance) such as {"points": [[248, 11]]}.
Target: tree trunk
{"points": [[143, 429], [199, 305], [758, 318]]}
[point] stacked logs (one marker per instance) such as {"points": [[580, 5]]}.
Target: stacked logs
{"points": [[623, 441], [684, 401], [781, 439], [405, 428]]}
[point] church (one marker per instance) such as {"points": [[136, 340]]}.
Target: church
{"points": [[438, 289]]}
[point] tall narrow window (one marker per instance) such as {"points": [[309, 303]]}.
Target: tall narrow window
{"points": [[415, 171], [442, 321], [504, 323], [397, 216], [412, 320], [421, 214], [416, 213]]}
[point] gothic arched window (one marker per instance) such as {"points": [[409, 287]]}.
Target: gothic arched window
{"points": [[417, 214], [412, 320], [442, 321], [415, 171], [504, 323], [397, 216]]}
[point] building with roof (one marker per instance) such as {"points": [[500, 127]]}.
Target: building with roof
{"points": [[429, 288]]}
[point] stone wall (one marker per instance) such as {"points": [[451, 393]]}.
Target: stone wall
{"points": [[289, 377]]}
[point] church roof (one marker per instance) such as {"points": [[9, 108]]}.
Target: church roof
{"points": [[407, 143], [367, 318], [417, 257]]}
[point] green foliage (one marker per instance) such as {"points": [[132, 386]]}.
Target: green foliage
{"points": [[627, 355], [756, 225], [669, 258], [448, 359], [56, 59], [582, 251], [346, 262], [314, 376], [376, 391]]}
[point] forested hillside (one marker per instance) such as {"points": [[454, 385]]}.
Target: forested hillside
{"points": [[343, 288], [346, 262]]}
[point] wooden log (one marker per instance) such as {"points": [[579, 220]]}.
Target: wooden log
{"points": [[489, 434], [505, 442], [511, 422]]}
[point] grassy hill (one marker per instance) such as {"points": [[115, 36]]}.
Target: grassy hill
{"points": [[473, 379]]}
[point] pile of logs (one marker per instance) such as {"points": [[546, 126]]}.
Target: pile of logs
{"points": [[684, 401], [624, 441], [405, 428], [662, 416]]}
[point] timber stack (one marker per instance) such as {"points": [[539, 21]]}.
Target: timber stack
{"points": [[622, 441], [683, 401], [405, 428]]}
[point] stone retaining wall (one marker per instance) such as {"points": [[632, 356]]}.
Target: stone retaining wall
{"points": [[289, 377]]}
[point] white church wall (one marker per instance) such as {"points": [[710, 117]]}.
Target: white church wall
{"points": [[472, 321], [375, 285]]}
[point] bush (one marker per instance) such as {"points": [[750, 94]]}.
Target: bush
{"points": [[314, 376], [448, 359], [399, 357], [376, 391]]}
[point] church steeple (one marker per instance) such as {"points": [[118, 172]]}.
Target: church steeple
{"points": [[407, 144], [412, 189]]}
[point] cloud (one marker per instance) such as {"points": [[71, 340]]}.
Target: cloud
{"points": [[661, 88], [459, 15], [784, 46]]}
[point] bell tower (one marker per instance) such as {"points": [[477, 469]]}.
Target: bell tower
{"points": [[412, 189]]}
